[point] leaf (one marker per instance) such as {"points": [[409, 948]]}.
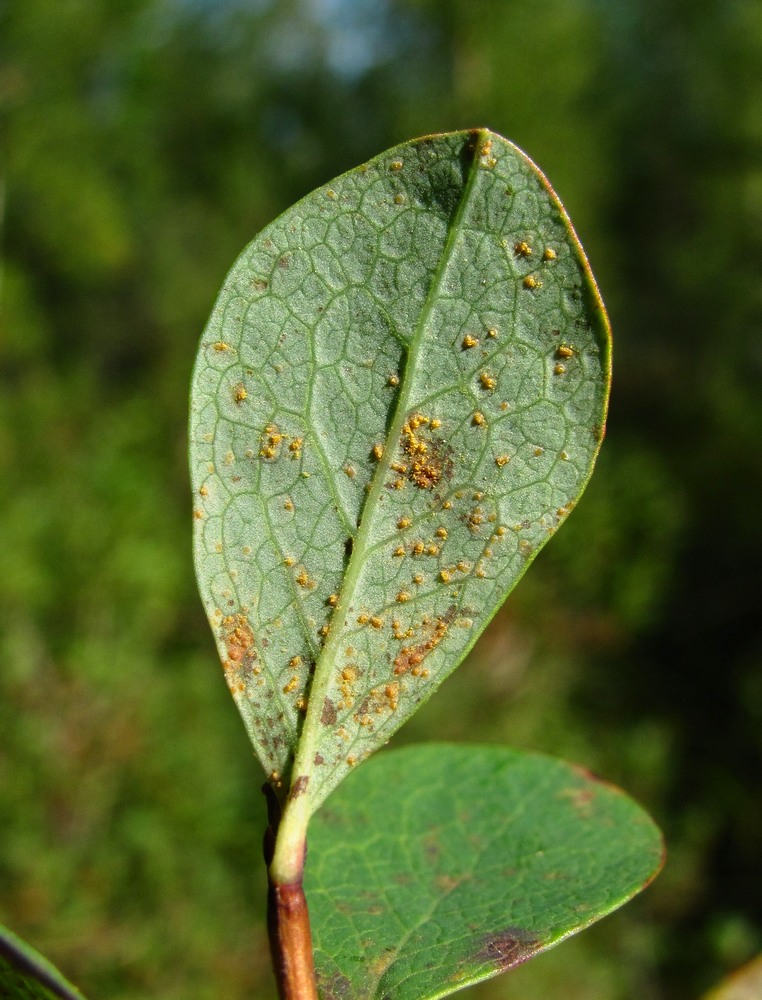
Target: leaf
{"points": [[26, 975], [442, 865], [398, 398], [744, 984]]}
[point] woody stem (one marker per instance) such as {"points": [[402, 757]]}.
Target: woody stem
{"points": [[288, 921]]}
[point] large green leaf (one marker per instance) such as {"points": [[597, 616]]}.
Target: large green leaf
{"points": [[398, 398], [438, 866], [26, 975]]}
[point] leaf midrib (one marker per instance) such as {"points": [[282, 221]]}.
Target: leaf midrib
{"points": [[304, 757]]}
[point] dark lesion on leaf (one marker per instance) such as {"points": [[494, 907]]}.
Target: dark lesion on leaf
{"points": [[299, 787], [349, 544], [334, 987], [329, 714], [508, 948]]}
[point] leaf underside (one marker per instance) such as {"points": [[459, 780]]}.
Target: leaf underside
{"points": [[442, 865], [27, 975], [398, 398]]}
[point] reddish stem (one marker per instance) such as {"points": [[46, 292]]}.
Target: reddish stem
{"points": [[288, 923], [291, 942]]}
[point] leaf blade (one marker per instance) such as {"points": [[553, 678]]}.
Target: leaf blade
{"points": [[444, 865], [382, 361]]}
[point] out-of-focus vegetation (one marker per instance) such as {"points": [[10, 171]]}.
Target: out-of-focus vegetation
{"points": [[143, 144]]}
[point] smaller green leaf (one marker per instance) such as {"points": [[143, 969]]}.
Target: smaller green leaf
{"points": [[26, 975], [435, 867], [744, 984]]}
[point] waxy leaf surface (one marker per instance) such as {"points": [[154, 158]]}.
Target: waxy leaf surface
{"points": [[435, 867], [27, 975], [398, 398]]}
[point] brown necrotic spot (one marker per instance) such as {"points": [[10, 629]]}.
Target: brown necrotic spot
{"points": [[329, 715], [335, 987], [299, 787], [507, 948]]}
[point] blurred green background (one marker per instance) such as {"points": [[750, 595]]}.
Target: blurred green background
{"points": [[143, 143]]}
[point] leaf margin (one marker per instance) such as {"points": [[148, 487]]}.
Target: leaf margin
{"points": [[29, 964]]}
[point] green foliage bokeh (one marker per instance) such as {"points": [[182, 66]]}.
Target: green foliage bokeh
{"points": [[143, 144]]}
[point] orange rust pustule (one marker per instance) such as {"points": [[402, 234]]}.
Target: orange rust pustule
{"points": [[239, 645], [410, 658], [425, 474], [429, 457], [380, 699]]}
